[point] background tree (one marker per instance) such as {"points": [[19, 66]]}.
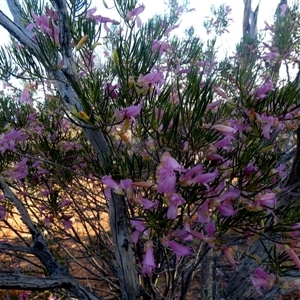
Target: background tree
{"points": [[186, 153]]}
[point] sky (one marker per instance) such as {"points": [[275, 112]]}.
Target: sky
{"points": [[196, 18]]}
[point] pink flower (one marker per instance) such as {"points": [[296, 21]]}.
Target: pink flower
{"points": [[141, 227], [268, 199], [178, 249], [20, 171], [230, 195], [196, 175], [135, 13], [204, 213], [129, 112], [230, 259], [226, 209], [222, 143], [126, 185], [43, 22], [226, 130], [175, 200], [283, 9], [99, 19], [148, 261], [111, 185], [263, 90], [161, 47], [111, 90], [67, 221], [262, 279], [155, 78], [292, 254], [146, 203], [109, 182], [166, 177], [214, 104], [25, 97]]}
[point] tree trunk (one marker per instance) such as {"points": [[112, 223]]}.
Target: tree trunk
{"points": [[127, 274]]}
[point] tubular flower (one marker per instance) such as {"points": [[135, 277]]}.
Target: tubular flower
{"points": [[262, 279], [166, 177], [175, 200], [111, 184], [148, 261], [226, 130], [135, 13], [196, 175], [129, 112], [179, 249]]}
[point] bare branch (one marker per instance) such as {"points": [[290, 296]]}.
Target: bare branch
{"points": [[19, 33], [40, 247], [24, 282]]}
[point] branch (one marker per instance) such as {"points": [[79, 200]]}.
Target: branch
{"points": [[24, 282], [15, 9], [13, 281], [124, 254], [19, 33], [40, 247], [59, 274], [6, 246], [64, 33]]}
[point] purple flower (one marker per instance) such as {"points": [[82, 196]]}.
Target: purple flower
{"points": [[161, 47], [250, 169], [262, 279], [148, 261], [45, 26], [146, 203], [129, 112], [111, 89], [263, 90], [166, 177], [154, 78], [135, 13], [126, 185], [20, 170], [25, 97], [204, 213], [268, 199], [179, 249], [140, 228], [230, 195], [226, 130], [223, 142], [283, 9], [99, 19], [175, 200], [226, 209], [196, 175], [111, 184]]}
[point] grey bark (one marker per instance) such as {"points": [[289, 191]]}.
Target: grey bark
{"points": [[64, 80], [124, 254]]}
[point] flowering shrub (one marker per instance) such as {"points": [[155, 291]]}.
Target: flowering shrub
{"points": [[189, 154]]}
